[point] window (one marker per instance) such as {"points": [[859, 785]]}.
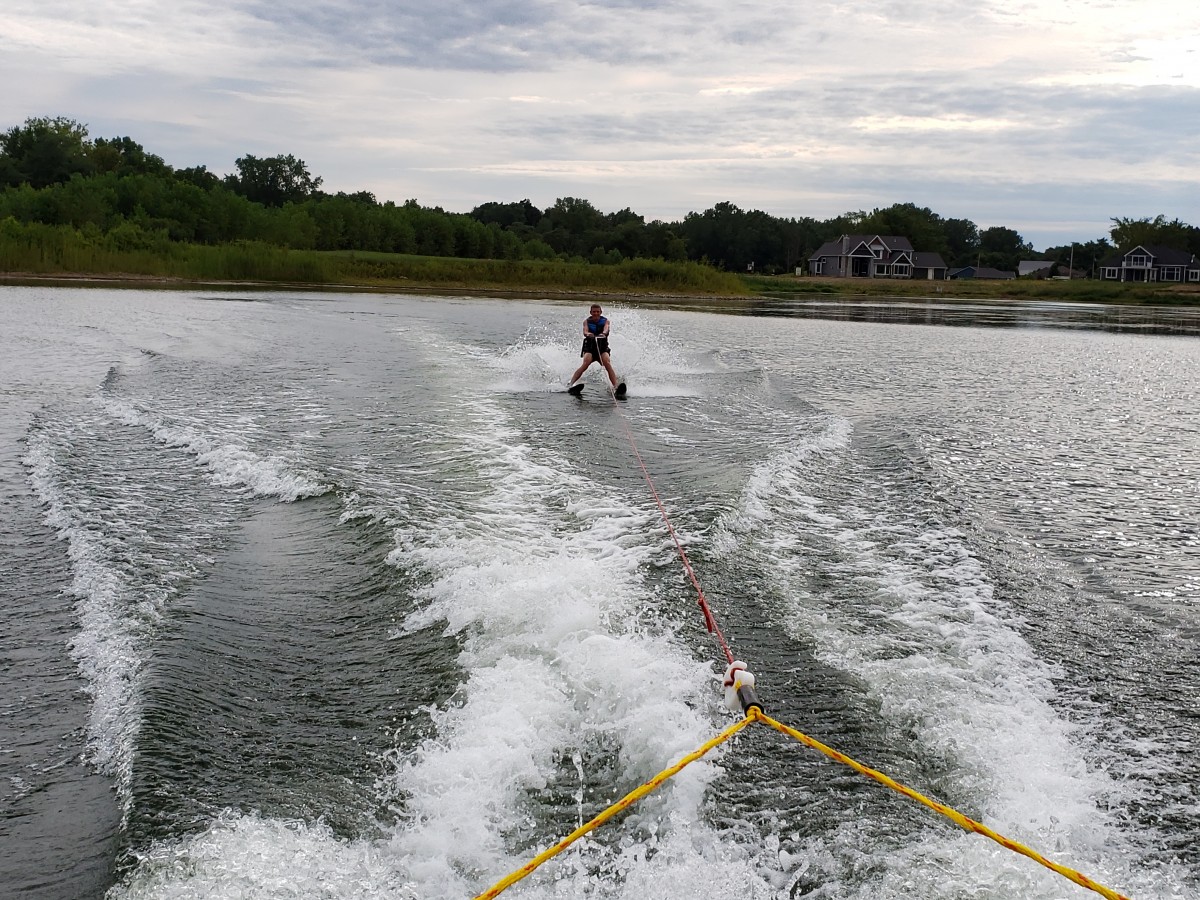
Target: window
{"points": [[880, 269], [1137, 261], [878, 251], [1193, 274], [1108, 273], [819, 266], [1172, 273], [900, 270]]}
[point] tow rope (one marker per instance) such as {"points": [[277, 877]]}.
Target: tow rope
{"points": [[755, 714], [710, 621], [740, 697]]}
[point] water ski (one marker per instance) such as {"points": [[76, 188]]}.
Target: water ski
{"points": [[575, 389], [619, 391]]}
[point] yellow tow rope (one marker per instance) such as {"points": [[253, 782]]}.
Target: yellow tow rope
{"points": [[952, 814], [755, 714], [628, 800]]}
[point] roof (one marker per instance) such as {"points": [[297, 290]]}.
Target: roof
{"points": [[848, 243], [1160, 255], [925, 259], [891, 242], [980, 272], [829, 248]]}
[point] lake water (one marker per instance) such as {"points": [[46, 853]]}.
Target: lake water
{"points": [[335, 595]]}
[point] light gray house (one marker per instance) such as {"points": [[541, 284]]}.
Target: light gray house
{"points": [[875, 256], [1147, 262]]}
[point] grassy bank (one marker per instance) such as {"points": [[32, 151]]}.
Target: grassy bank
{"points": [[46, 251], [1072, 291], [632, 276], [43, 250]]}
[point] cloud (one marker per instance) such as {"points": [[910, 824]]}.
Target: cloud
{"points": [[1066, 112]]}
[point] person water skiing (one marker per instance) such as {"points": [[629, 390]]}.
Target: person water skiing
{"points": [[595, 348]]}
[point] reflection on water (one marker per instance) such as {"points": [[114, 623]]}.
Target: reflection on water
{"points": [[987, 313]]}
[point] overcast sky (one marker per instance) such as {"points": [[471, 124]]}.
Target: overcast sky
{"points": [[1050, 118]]}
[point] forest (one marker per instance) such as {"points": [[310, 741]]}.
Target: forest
{"points": [[59, 184]]}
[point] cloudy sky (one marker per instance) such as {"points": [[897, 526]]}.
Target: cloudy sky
{"points": [[1050, 118]]}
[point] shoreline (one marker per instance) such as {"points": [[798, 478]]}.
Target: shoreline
{"points": [[790, 289], [160, 282]]}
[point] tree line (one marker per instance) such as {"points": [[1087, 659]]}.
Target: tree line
{"points": [[112, 191]]}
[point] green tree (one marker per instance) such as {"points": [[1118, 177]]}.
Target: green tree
{"points": [[626, 234], [289, 226], [273, 180], [574, 215], [537, 249], [44, 151], [733, 238], [717, 235], [435, 233], [1002, 248], [962, 242], [663, 242], [506, 214], [125, 156], [572, 226], [1130, 233], [199, 176], [922, 226], [397, 234]]}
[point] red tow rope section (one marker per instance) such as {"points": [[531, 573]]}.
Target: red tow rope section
{"points": [[709, 621]]}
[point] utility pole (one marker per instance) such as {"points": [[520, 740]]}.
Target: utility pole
{"points": [[1071, 270]]}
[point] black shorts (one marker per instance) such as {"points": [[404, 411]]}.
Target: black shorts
{"points": [[588, 347]]}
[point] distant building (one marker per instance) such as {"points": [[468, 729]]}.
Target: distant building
{"points": [[982, 272], [928, 266], [875, 256], [1151, 263], [1030, 266]]}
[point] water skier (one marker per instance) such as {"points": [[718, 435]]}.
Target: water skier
{"points": [[595, 347]]}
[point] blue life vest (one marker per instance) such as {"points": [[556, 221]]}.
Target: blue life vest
{"points": [[597, 327]]}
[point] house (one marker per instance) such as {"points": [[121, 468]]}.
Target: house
{"points": [[1030, 266], [982, 272], [1150, 262], [875, 256]]}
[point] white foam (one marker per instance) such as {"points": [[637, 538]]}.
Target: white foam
{"points": [[943, 661], [113, 622], [543, 585], [545, 600], [118, 612], [249, 857], [644, 353], [230, 462]]}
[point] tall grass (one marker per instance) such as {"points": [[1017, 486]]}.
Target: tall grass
{"points": [[633, 275], [257, 262], [59, 249]]}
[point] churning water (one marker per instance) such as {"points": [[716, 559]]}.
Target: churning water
{"points": [[317, 595]]}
